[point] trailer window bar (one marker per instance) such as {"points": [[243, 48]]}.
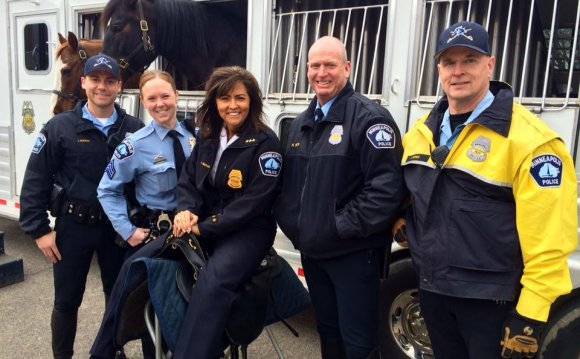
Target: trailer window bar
{"points": [[363, 31], [519, 37]]}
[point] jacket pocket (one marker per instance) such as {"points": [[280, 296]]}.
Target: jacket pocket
{"points": [[318, 224], [165, 176], [483, 238]]}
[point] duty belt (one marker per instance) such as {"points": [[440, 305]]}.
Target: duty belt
{"points": [[84, 213], [158, 221]]}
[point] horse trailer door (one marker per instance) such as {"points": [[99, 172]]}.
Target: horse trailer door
{"points": [[33, 37]]}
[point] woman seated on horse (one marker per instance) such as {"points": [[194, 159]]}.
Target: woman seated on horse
{"points": [[225, 195]]}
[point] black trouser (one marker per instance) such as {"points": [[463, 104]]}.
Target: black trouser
{"points": [[345, 294], [77, 243], [232, 260], [462, 328]]}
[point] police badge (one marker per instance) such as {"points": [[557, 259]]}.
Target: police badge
{"points": [[479, 149], [28, 124]]}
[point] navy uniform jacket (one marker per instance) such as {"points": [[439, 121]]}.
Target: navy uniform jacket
{"points": [[70, 151], [342, 183], [246, 182], [146, 157]]}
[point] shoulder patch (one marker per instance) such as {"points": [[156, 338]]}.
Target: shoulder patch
{"points": [[110, 169], [39, 143], [270, 163], [125, 149], [381, 136], [547, 170]]}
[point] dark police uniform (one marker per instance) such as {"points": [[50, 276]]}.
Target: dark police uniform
{"points": [[236, 227], [72, 152], [342, 188]]}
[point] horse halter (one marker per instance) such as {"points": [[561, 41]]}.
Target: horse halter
{"points": [[148, 48], [74, 96]]}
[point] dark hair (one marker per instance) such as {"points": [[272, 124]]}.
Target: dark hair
{"points": [[221, 82]]}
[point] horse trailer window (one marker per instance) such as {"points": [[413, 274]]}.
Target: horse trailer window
{"points": [[90, 26], [563, 45], [534, 42], [36, 56], [362, 25]]}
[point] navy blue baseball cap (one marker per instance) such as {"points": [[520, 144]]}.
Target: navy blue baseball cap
{"points": [[466, 34], [104, 63]]}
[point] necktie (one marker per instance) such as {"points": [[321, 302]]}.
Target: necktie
{"points": [[318, 114], [177, 151]]}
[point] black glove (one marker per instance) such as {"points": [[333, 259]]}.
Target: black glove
{"points": [[399, 231], [520, 337]]}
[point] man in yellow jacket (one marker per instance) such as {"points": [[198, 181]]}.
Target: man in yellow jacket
{"points": [[494, 213]]}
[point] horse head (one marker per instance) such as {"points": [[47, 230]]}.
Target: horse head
{"points": [[129, 31], [72, 55], [194, 36]]}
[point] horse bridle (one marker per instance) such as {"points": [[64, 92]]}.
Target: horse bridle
{"points": [[125, 62], [74, 96]]}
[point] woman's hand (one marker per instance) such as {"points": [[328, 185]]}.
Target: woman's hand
{"points": [[185, 222], [138, 237]]}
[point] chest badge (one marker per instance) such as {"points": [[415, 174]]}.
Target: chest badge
{"points": [[159, 158], [191, 142], [336, 135], [235, 179], [479, 149]]}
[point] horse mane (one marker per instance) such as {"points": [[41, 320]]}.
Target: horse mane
{"points": [[179, 22], [61, 48]]}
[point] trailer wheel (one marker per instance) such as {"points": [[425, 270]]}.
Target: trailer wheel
{"points": [[402, 332], [561, 335]]}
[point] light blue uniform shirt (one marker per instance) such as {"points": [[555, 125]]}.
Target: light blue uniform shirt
{"points": [[104, 128], [448, 138], [325, 107], [147, 157]]}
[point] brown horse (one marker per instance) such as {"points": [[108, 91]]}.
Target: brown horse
{"points": [[71, 57]]}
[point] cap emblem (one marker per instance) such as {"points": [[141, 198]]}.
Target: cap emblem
{"points": [[102, 61]]}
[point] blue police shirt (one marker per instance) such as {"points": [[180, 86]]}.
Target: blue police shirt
{"points": [[447, 137], [146, 156], [103, 127]]}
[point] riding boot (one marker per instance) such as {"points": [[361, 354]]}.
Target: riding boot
{"points": [[332, 348], [64, 329]]}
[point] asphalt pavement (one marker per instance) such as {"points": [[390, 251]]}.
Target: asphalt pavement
{"points": [[25, 310]]}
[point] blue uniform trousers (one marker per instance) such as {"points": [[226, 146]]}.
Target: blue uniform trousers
{"points": [[461, 328], [344, 291], [232, 260]]}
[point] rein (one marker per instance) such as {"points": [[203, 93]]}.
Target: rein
{"points": [[74, 96], [148, 48]]}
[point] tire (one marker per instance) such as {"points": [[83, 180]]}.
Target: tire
{"points": [[402, 331], [561, 335]]}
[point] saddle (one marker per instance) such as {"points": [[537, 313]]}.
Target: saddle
{"points": [[169, 275]]}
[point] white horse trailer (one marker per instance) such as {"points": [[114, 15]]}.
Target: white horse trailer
{"points": [[390, 44]]}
